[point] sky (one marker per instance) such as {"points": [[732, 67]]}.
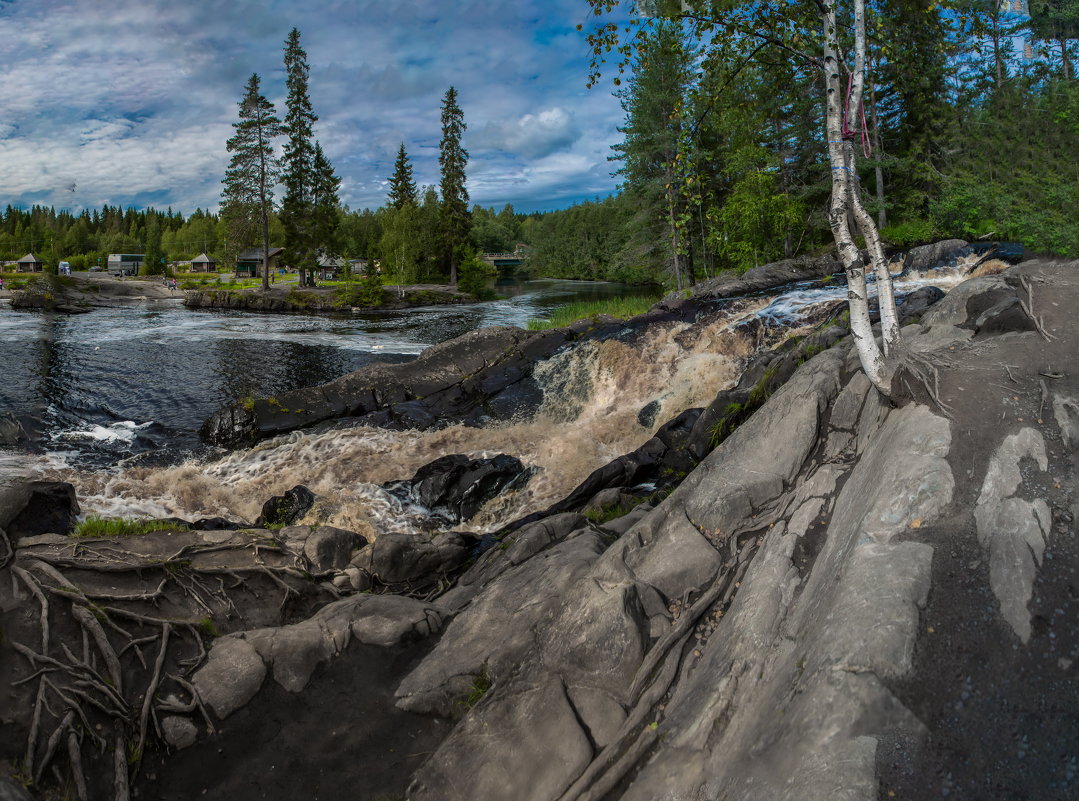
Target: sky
{"points": [[131, 102]]}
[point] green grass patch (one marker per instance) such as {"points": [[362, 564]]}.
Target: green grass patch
{"points": [[600, 516], [94, 526], [621, 308]]}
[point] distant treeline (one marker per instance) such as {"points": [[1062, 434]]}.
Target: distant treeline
{"points": [[87, 238]]}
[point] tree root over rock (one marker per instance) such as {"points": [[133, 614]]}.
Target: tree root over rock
{"points": [[76, 697], [653, 680]]}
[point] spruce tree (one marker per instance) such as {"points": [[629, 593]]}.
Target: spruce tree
{"points": [[325, 206], [402, 186], [452, 158], [252, 172], [297, 207]]}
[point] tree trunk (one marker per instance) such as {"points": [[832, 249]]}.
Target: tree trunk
{"points": [[878, 168], [674, 233], [845, 199]]}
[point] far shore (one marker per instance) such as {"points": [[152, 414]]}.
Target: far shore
{"points": [[92, 289]]}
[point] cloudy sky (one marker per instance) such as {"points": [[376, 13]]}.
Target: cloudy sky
{"points": [[131, 102]]}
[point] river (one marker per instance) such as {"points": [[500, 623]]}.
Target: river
{"points": [[117, 396], [143, 375]]}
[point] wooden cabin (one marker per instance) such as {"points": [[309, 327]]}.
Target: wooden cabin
{"points": [[30, 264], [203, 264], [249, 263]]}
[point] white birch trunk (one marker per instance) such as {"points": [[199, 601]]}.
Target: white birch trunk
{"points": [[861, 327], [846, 198]]}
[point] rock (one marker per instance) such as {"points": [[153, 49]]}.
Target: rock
{"points": [[1013, 530], [238, 663], [411, 559], [917, 302], [11, 790], [11, 430], [286, 509], [1066, 412], [231, 676], [179, 732], [484, 756], [456, 487], [30, 508], [324, 548], [926, 257], [497, 628], [765, 276]]}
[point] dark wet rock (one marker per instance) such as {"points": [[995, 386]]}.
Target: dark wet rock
{"points": [[764, 277], [216, 524], [926, 257], [284, 510], [38, 507], [450, 374], [456, 487], [917, 302], [646, 417], [412, 560]]}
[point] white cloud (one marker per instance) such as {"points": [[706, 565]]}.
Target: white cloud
{"points": [[137, 98]]}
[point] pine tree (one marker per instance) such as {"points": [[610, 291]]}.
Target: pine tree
{"points": [[452, 159], [402, 186], [325, 211], [252, 172], [297, 208]]}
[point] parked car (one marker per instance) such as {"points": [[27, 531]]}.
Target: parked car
{"points": [[96, 268]]}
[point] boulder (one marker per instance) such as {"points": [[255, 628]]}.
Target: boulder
{"points": [[412, 559], [284, 510], [323, 548], [456, 487], [30, 508]]}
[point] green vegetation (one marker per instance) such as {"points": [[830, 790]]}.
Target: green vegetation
{"points": [[94, 526], [600, 516], [481, 683], [621, 308]]}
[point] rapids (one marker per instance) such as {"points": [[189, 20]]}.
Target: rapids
{"points": [[593, 393]]}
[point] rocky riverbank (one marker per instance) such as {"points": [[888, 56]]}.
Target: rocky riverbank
{"points": [[804, 590]]}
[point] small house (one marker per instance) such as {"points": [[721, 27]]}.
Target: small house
{"points": [[203, 264], [330, 268], [249, 263], [359, 266], [30, 264]]}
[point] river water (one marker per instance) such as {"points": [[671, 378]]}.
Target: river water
{"points": [[98, 387], [116, 397]]}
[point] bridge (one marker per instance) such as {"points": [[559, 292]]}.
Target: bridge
{"points": [[504, 262], [503, 259]]}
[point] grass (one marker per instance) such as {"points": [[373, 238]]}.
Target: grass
{"points": [[481, 683], [601, 516], [94, 526], [621, 308]]}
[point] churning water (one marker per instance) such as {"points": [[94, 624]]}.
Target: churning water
{"points": [[104, 387]]}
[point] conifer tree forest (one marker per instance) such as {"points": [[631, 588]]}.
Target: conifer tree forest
{"points": [[969, 127]]}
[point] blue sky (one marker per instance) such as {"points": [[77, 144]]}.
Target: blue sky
{"points": [[130, 102]]}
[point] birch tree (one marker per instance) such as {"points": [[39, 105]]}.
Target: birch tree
{"points": [[812, 33]]}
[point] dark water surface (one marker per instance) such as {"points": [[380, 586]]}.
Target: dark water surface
{"points": [[144, 375]]}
